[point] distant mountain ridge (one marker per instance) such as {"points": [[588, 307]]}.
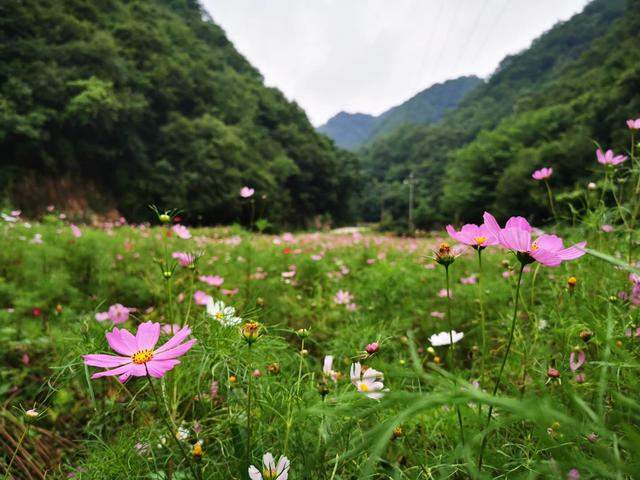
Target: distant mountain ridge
{"points": [[352, 130]]}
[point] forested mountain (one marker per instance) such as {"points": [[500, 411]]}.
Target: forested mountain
{"points": [[544, 106], [349, 130], [124, 103], [352, 130]]}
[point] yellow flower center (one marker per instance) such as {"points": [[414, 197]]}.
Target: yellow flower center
{"points": [[364, 387], [480, 240], [268, 474], [219, 316], [534, 247], [142, 356]]}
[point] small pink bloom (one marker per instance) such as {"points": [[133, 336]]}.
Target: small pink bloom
{"points": [[473, 235], [25, 359], [576, 363], [230, 292], [633, 124], [606, 228], [201, 298], [553, 372], [75, 230], [574, 474], [442, 293], [50, 208], [256, 373], [437, 314], [181, 231], [471, 280], [214, 388], [342, 297], [138, 356], [372, 348], [288, 274], [352, 307], [184, 259], [170, 329], [213, 280], [542, 174], [371, 261], [581, 378], [117, 313], [246, 192], [609, 158]]}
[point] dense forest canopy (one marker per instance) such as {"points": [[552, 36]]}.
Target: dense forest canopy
{"points": [[577, 83], [125, 103]]}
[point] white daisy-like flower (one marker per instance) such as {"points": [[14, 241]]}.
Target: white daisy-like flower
{"points": [[328, 370], [444, 338], [368, 381], [224, 314], [271, 471]]}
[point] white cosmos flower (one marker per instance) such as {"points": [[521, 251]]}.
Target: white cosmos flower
{"points": [[444, 338], [271, 471], [224, 314], [368, 382], [328, 370]]}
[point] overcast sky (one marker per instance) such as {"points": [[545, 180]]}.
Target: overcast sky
{"points": [[369, 55]]}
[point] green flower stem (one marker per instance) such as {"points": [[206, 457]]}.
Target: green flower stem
{"points": [[249, 384], [483, 327], [172, 434], [452, 348], [15, 452], [550, 195], [504, 360]]}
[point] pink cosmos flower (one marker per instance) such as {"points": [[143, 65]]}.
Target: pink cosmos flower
{"points": [[442, 293], [170, 329], [181, 231], [343, 297], [473, 235], [606, 228], [230, 292], [372, 348], [246, 192], [184, 259], [437, 314], [575, 364], [327, 368], [470, 280], [117, 313], [633, 124], [288, 274], [608, 158], [546, 249], [75, 230], [213, 280], [271, 471], [201, 298], [542, 174], [138, 355]]}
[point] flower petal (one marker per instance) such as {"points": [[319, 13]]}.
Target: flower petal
{"points": [[552, 243], [516, 239], [147, 335], [573, 252], [175, 340], [174, 352], [122, 341], [546, 258], [129, 368], [268, 461], [105, 361], [157, 368], [254, 473]]}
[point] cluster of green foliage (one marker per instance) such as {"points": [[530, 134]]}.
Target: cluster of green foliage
{"points": [[352, 130], [147, 101], [543, 107]]}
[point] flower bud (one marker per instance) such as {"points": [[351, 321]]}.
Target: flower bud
{"points": [[251, 331], [256, 373], [444, 255], [302, 333], [273, 368], [592, 186], [553, 372], [164, 218], [32, 413], [586, 335], [397, 432], [167, 274], [571, 282], [372, 348], [593, 437], [197, 451]]}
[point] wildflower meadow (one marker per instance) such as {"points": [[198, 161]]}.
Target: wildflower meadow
{"points": [[157, 350]]}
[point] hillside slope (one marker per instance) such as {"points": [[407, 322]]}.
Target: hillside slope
{"points": [[576, 82], [352, 130], [121, 104]]}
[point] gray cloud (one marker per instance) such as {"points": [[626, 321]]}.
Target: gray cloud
{"points": [[368, 55]]}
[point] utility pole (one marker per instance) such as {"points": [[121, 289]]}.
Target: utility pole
{"points": [[410, 180]]}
